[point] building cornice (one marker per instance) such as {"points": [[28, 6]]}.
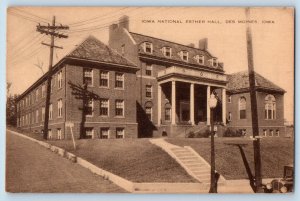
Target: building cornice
{"points": [[173, 62]]}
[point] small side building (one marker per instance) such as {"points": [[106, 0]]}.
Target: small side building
{"points": [[270, 104]]}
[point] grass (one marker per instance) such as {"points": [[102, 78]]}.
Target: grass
{"points": [[134, 159], [275, 153]]}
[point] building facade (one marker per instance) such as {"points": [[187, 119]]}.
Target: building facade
{"points": [[270, 104], [108, 76], [143, 86]]}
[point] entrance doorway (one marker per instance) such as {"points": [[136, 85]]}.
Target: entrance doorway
{"points": [[184, 111]]}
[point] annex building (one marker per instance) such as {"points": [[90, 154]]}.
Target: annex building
{"points": [[141, 86]]}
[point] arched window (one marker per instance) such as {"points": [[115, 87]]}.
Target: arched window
{"points": [[242, 107], [270, 107]]}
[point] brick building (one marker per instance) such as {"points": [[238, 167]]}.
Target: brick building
{"points": [[106, 73], [269, 103], [146, 87]]}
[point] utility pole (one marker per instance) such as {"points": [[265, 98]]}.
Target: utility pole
{"points": [[50, 30], [254, 115]]}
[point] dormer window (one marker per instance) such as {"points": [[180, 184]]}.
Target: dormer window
{"points": [[184, 55], [200, 59], [148, 47], [167, 51], [214, 62]]}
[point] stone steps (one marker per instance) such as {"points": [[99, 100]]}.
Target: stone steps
{"points": [[191, 161]]}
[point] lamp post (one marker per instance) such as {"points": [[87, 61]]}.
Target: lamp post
{"points": [[212, 104]]}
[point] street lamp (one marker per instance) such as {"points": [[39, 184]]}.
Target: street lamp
{"points": [[212, 102]]}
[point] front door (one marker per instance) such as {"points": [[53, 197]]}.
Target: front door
{"points": [[184, 111]]}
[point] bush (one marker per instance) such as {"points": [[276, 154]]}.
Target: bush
{"points": [[204, 134], [190, 134], [233, 133]]}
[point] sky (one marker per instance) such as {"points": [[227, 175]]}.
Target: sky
{"points": [[273, 42]]}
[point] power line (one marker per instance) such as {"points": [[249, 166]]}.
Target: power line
{"points": [[28, 13], [23, 17], [91, 19], [25, 46]]}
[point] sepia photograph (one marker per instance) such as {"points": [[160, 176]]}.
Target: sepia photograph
{"points": [[150, 100]]}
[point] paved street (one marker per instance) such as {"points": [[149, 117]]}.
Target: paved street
{"points": [[32, 168]]}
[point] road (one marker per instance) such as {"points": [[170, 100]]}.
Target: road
{"points": [[32, 168]]}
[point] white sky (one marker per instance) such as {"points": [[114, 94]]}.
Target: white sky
{"points": [[273, 44]]}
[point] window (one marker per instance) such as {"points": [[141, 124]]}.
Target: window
{"points": [[167, 51], [214, 62], [90, 108], [184, 55], [43, 90], [104, 107], [89, 132], [148, 47], [59, 79], [88, 76], [119, 132], [32, 117], [49, 134], [51, 86], [149, 113], [229, 99], [242, 108], [104, 133], [199, 59], [59, 106], [270, 107], [104, 77], [277, 133], [43, 114], [119, 107], [50, 112], [123, 49], [59, 135], [229, 116], [37, 116], [265, 132], [36, 94], [149, 91], [119, 80], [29, 119], [149, 69], [168, 114], [244, 132], [271, 134]]}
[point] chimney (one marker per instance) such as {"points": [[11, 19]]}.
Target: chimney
{"points": [[112, 27], [124, 22], [203, 44], [191, 45]]}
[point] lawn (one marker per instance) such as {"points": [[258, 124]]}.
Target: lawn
{"points": [[275, 153], [134, 159]]}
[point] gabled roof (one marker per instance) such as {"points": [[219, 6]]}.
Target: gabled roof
{"points": [[239, 81], [158, 44], [93, 49]]}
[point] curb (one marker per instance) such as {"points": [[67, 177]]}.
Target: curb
{"points": [[129, 186]]}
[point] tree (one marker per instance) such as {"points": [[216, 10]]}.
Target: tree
{"points": [[11, 110]]}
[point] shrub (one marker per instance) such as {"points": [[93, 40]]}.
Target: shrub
{"points": [[190, 134], [204, 134], [233, 133]]}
